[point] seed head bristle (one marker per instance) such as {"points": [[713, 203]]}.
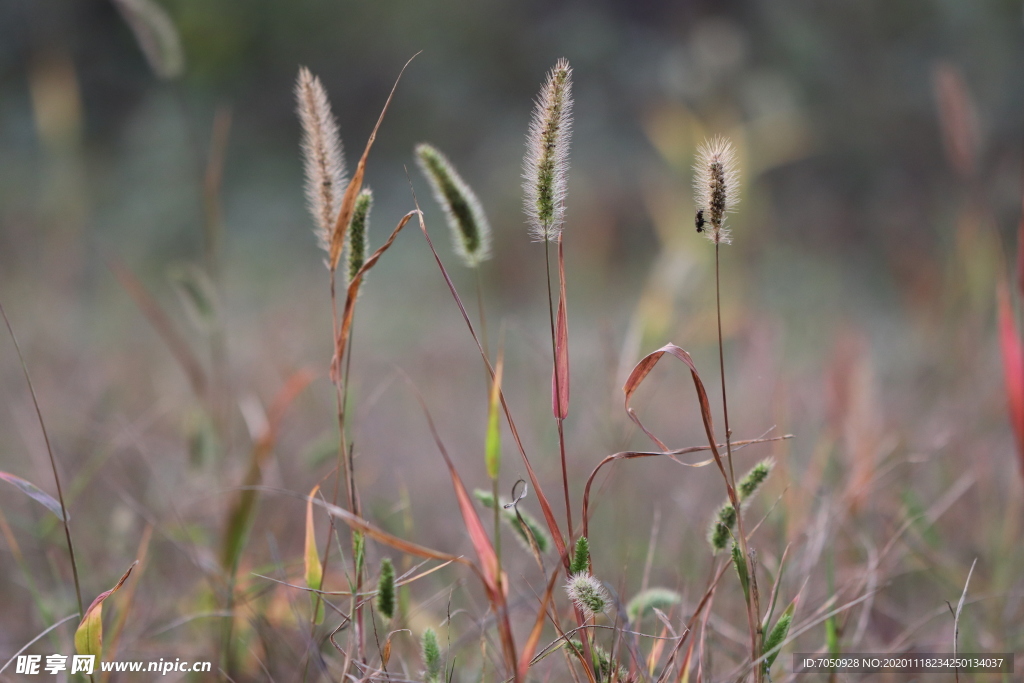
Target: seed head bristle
{"points": [[323, 155], [357, 230], [471, 233], [716, 186], [587, 593], [546, 164]]}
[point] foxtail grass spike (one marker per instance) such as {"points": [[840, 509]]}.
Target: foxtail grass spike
{"points": [[753, 479], [471, 233], [432, 656], [546, 164], [587, 593], [386, 589], [725, 519], [721, 528], [581, 556], [651, 599], [357, 229], [715, 188], [322, 153]]}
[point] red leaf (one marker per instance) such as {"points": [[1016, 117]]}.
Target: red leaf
{"points": [[1013, 367], [560, 373]]}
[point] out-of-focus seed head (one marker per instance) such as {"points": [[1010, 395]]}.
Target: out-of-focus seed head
{"points": [[471, 233], [721, 528], [386, 589], [431, 656], [322, 153], [357, 230], [753, 479]]}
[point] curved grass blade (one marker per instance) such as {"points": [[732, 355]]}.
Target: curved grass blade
{"points": [[35, 493], [89, 634], [353, 293], [492, 443], [314, 569], [538, 626], [636, 377], [493, 579], [629, 455], [545, 505], [348, 200]]}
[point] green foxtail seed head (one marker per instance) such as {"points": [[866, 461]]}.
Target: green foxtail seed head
{"points": [[721, 527], [587, 594], [357, 229], [386, 589], [471, 233], [753, 479], [431, 656], [528, 529], [651, 599], [322, 154], [546, 164], [581, 557], [715, 187]]}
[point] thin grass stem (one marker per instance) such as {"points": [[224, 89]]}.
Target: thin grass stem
{"points": [[53, 460], [558, 393]]}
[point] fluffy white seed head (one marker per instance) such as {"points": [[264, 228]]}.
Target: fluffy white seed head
{"points": [[715, 187], [587, 594], [546, 164], [322, 154]]}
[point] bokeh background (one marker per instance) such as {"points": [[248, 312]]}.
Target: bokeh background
{"points": [[880, 147]]}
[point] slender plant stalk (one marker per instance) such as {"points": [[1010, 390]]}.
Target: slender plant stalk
{"points": [[721, 368], [497, 525], [342, 469], [53, 460], [752, 618], [480, 309], [558, 394]]}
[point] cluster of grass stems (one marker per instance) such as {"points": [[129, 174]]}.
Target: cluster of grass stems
{"points": [[354, 616]]}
